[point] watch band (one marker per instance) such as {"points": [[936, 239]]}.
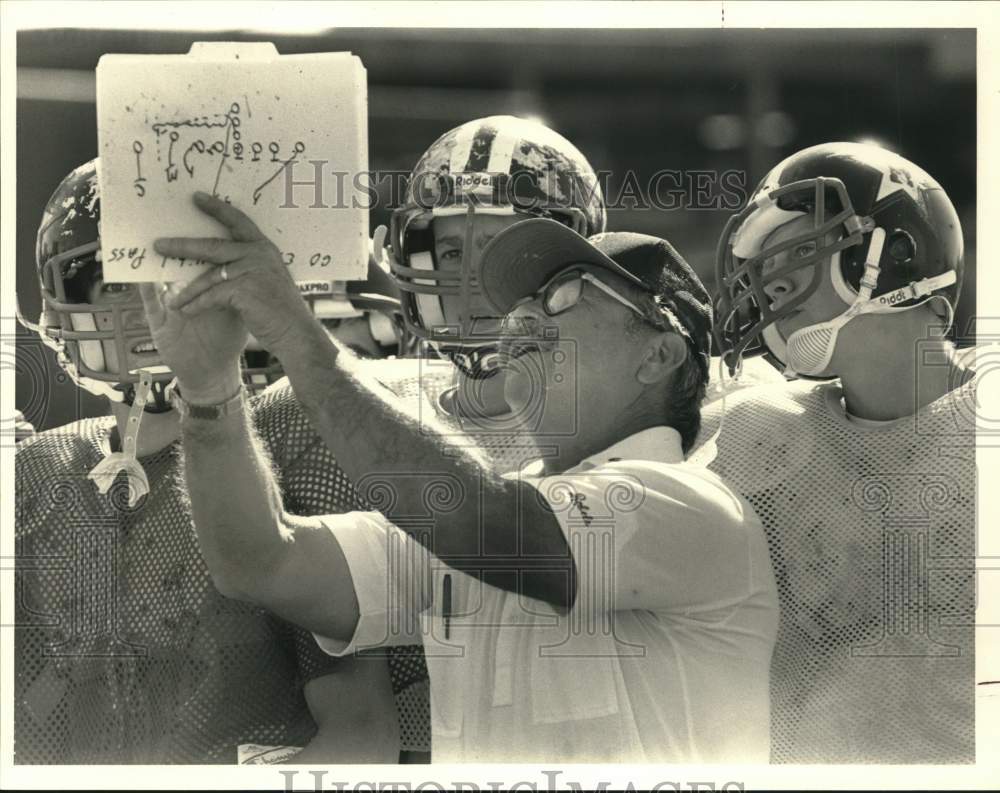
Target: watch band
{"points": [[206, 412]]}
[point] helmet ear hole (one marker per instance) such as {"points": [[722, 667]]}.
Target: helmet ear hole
{"points": [[901, 246]]}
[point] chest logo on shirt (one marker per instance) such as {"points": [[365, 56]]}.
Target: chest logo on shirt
{"points": [[580, 502]]}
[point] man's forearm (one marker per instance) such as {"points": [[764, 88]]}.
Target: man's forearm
{"points": [[255, 551], [376, 438], [235, 502]]}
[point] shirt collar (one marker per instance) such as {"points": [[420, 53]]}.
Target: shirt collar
{"points": [[659, 444]]}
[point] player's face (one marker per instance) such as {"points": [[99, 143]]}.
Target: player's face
{"points": [[449, 248], [141, 350], [823, 304]]}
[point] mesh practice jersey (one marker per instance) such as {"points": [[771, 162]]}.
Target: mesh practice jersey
{"points": [[871, 531], [125, 651]]}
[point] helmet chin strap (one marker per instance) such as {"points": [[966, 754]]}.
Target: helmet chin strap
{"points": [[809, 350], [105, 472], [157, 401]]}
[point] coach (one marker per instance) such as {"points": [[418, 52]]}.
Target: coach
{"points": [[611, 604]]}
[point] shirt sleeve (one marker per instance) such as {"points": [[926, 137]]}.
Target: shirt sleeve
{"points": [[391, 573], [647, 535]]}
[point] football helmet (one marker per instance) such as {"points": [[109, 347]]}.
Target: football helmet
{"points": [[885, 234], [500, 165], [68, 259]]}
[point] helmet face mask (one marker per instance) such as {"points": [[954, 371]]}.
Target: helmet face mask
{"points": [[885, 235], [743, 307], [496, 166], [84, 327], [68, 256]]}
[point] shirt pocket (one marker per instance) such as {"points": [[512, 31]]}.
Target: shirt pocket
{"points": [[572, 675], [572, 688]]}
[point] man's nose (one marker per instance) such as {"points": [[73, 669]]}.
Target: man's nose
{"points": [[779, 290], [133, 319]]}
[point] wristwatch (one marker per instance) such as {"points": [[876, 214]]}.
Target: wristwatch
{"points": [[206, 412]]}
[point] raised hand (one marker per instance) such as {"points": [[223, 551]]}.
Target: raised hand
{"points": [[249, 277], [203, 350]]}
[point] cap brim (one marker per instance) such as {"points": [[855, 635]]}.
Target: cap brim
{"points": [[521, 258]]}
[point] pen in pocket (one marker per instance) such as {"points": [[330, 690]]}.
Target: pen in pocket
{"points": [[446, 606]]}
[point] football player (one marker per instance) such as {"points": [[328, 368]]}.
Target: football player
{"points": [[472, 182], [125, 651], [846, 265]]}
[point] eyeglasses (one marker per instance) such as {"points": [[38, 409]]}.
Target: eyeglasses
{"points": [[564, 290]]}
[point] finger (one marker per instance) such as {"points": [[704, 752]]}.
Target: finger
{"points": [[241, 227], [204, 282], [152, 302], [218, 296], [206, 249]]}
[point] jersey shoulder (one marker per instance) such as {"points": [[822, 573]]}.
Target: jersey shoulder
{"points": [[73, 446], [51, 468]]}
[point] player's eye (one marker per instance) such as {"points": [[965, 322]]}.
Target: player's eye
{"points": [[115, 289], [805, 249], [450, 256]]}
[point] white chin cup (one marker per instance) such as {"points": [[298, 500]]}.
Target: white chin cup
{"points": [[809, 349]]}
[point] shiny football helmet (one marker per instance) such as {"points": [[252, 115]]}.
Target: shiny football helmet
{"points": [[500, 165], [68, 259], [885, 234]]}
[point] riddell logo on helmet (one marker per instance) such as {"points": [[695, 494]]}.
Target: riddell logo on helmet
{"points": [[899, 296], [466, 181]]}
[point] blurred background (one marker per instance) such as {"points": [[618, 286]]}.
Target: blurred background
{"points": [[635, 102]]}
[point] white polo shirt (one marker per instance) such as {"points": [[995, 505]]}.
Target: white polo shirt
{"points": [[664, 656]]}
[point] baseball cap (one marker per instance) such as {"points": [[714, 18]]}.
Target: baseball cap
{"points": [[519, 260]]}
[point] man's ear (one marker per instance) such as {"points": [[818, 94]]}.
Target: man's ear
{"points": [[662, 355]]}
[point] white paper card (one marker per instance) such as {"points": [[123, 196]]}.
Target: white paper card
{"points": [[241, 122]]}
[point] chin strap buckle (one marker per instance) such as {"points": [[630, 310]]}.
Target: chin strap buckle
{"points": [[105, 472]]}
